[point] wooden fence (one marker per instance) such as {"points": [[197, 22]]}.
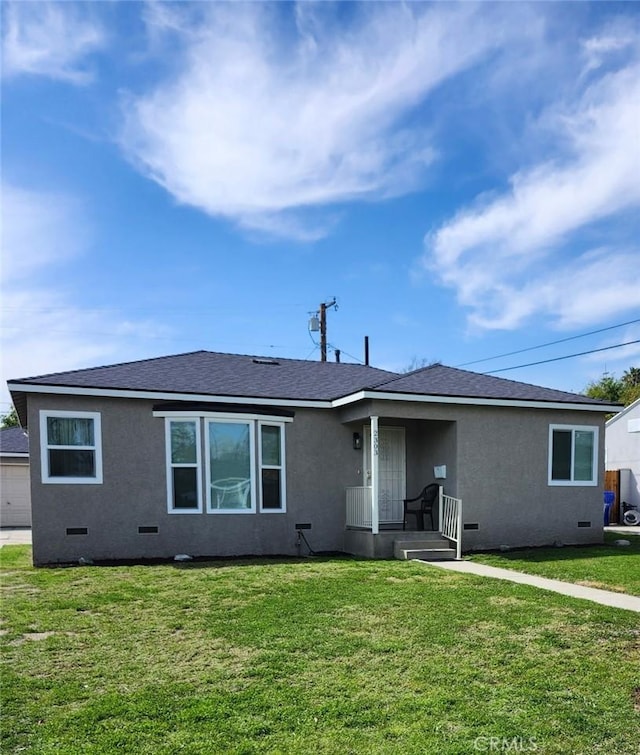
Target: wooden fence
{"points": [[612, 482]]}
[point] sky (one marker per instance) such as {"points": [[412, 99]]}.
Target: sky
{"points": [[464, 179]]}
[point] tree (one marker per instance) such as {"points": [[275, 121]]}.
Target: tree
{"points": [[624, 390], [607, 388], [10, 419], [630, 386], [418, 363]]}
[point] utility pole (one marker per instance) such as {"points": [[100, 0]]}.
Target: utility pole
{"points": [[323, 327]]}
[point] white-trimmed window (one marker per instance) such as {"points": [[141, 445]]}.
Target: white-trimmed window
{"points": [[236, 459], [183, 466], [573, 455], [271, 458], [70, 447], [230, 466]]}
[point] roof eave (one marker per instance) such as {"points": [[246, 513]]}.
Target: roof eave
{"points": [[154, 395], [472, 401], [623, 410], [19, 391]]}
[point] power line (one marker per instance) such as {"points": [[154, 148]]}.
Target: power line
{"points": [[568, 356], [346, 353], [544, 345]]}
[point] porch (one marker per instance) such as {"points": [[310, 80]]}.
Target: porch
{"points": [[377, 531], [400, 454]]}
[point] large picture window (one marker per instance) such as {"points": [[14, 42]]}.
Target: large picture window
{"points": [[233, 462], [230, 467], [573, 455], [70, 447]]}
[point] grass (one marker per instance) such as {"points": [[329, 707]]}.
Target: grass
{"points": [[605, 566], [309, 656]]}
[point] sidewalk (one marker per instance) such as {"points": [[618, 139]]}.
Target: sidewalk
{"points": [[15, 536], [604, 597]]}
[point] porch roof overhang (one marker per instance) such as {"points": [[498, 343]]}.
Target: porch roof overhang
{"points": [[472, 401]]}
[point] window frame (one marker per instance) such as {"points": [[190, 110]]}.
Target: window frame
{"points": [[169, 465], [572, 482], [45, 447], [230, 420], [282, 467], [202, 418]]}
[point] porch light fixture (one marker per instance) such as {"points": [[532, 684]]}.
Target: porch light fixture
{"points": [[357, 441]]}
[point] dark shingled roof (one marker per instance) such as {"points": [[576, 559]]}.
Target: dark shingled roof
{"points": [[214, 374], [438, 380], [211, 373], [13, 440]]}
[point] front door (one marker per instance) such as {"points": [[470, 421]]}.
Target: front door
{"points": [[392, 471]]}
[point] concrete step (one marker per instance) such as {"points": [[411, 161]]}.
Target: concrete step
{"points": [[418, 544], [422, 542], [426, 554]]}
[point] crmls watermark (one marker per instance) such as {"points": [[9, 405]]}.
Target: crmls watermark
{"points": [[505, 744]]}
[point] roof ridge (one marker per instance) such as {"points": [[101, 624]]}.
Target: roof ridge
{"points": [[186, 354]]}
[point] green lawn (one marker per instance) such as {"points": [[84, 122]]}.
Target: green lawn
{"points": [[605, 566], [308, 656]]}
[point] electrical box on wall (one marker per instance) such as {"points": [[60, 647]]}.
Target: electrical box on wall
{"points": [[440, 472]]}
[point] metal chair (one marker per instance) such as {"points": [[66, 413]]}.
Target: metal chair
{"points": [[231, 493], [420, 505]]}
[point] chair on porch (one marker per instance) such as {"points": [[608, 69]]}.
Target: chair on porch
{"points": [[420, 505]]}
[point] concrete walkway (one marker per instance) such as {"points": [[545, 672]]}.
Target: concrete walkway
{"points": [[15, 536], [622, 529], [605, 597]]}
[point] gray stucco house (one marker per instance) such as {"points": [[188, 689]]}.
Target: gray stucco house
{"points": [[214, 454]]}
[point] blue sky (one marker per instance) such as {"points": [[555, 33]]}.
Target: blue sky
{"points": [[180, 176]]}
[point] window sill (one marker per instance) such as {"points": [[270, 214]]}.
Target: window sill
{"points": [[571, 484], [72, 481]]}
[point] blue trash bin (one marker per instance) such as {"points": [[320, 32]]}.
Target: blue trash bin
{"points": [[609, 498]]}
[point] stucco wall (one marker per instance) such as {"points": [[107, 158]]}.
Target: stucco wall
{"points": [[320, 463], [623, 450], [500, 471], [496, 462]]}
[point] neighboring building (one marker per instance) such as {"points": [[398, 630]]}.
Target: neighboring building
{"points": [[15, 496], [622, 442], [221, 454]]}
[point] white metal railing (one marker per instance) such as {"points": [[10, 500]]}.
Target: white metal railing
{"points": [[451, 520], [359, 507]]}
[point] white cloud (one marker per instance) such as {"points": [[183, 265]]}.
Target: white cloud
{"points": [[40, 229], [615, 39], [43, 329], [51, 39], [524, 252], [269, 115]]}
